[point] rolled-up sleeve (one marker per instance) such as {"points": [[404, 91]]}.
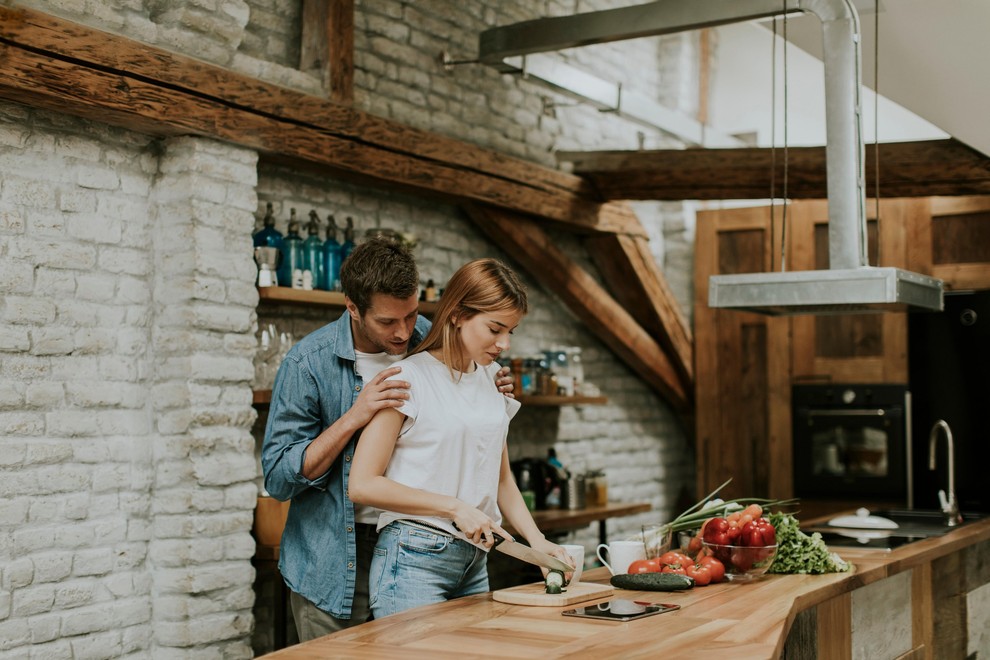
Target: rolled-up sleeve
{"points": [[294, 421]]}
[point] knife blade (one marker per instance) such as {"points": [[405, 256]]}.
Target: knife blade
{"points": [[529, 555]]}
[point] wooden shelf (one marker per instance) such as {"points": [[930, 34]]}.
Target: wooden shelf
{"points": [[560, 519], [315, 297], [264, 397], [541, 400]]}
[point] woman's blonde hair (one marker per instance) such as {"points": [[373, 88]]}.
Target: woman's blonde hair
{"points": [[479, 286]]}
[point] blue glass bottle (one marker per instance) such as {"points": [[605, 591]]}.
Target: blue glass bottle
{"points": [[332, 257], [292, 252], [268, 236], [348, 245], [313, 251]]}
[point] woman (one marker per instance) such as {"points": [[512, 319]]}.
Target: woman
{"points": [[438, 467]]}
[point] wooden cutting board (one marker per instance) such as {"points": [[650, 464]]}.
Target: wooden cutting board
{"points": [[536, 594]]}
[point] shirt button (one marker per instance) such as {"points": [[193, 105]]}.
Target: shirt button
{"points": [[350, 529], [347, 459], [350, 564], [357, 388]]}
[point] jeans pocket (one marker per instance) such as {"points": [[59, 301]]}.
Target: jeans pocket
{"points": [[376, 573], [418, 540]]}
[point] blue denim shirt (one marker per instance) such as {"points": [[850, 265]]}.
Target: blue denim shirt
{"points": [[315, 385]]}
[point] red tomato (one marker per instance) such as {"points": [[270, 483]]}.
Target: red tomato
{"points": [[702, 574], [715, 567], [674, 557], [674, 568], [643, 566]]}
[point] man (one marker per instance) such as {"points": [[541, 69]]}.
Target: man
{"points": [[328, 387]]}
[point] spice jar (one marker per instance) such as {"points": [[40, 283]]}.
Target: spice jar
{"points": [[597, 487]]}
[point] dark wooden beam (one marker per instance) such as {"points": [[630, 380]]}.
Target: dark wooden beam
{"points": [[631, 273], [534, 249], [327, 46], [907, 169], [63, 66]]}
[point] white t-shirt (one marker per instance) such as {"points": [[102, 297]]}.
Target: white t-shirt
{"points": [[452, 438], [369, 365]]}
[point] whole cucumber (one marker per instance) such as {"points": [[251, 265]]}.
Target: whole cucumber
{"points": [[652, 582]]}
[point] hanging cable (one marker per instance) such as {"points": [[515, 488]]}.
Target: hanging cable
{"points": [[876, 118], [783, 221], [773, 139]]}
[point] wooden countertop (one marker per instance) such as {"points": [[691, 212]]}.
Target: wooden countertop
{"points": [[745, 620]]}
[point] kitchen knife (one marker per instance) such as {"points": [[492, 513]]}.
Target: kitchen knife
{"points": [[528, 554]]}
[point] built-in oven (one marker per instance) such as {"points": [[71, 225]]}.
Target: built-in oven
{"points": [[852, 441]]}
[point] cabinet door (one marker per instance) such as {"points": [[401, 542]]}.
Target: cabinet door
{"points": [[955, 244], [741, 365], [856, 348]]}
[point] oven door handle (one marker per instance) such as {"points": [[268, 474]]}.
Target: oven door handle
{"points": [[872, 412]]}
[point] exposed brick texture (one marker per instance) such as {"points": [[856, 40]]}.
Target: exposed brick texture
{"points": [[128, 322]]}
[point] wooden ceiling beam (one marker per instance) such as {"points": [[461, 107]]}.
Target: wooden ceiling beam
{"points": [[77, 70], [535, 250], [631, 273], [907, 169]]}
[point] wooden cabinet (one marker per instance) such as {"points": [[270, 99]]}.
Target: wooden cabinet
{"points": [[860, 348], [746, 363], [742, 364], [951, 241]]}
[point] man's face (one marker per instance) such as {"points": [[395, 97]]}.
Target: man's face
{"points": [[386, 326]]}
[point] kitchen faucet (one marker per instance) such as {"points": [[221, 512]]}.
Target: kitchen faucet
{"points": [[950, 507]]}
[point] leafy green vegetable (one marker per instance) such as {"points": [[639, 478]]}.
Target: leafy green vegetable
{"points": [[799, 553]]}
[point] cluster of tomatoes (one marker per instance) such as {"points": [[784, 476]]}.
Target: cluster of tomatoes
{"points": [[705, 570]]}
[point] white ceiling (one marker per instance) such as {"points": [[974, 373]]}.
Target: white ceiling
{"points": [[934, 58]]}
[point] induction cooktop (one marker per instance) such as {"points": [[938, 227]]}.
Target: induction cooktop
{"points": [[835, 539]]}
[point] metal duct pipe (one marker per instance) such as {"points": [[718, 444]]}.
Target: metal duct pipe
{"points": [[850, 284]]}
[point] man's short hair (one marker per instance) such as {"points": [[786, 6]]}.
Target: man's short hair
{"points": [[379, 265]]}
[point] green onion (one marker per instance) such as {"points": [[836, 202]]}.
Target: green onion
{"points": [[694, 516]]}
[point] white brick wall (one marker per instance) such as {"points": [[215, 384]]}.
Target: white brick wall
{"points": [[127, 314], [85, 314]]}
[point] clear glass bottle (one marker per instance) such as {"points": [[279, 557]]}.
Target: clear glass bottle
{"points": [[313, 252], [268, 236], [292, 252], [332, 257]]}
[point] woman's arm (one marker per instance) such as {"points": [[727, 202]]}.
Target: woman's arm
{"points": [[513, 508], [368, 484]]}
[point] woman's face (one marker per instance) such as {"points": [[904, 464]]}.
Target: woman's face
{"points": [[485, 336]]}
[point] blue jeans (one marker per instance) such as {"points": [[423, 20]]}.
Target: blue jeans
{"points": [[413, 566]]}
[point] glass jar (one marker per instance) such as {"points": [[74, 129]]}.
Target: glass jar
{"points": [[597, 488]]}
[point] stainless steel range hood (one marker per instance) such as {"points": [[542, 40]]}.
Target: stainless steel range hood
{"points": [[850, 285]]}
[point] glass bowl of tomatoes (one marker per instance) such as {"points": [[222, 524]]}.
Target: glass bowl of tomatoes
{"points": [[743, 562]]}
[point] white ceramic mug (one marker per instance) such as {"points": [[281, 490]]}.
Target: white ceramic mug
{"points": [[577, 554], [621, 554]]}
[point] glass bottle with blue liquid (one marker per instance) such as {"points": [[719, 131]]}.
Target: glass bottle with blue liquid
{"points": [[313, 251], [348, 245], [332, 257], [292, 252], [268, 236]]}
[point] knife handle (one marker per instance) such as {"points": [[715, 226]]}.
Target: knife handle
{"points": [[498, 537]]}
